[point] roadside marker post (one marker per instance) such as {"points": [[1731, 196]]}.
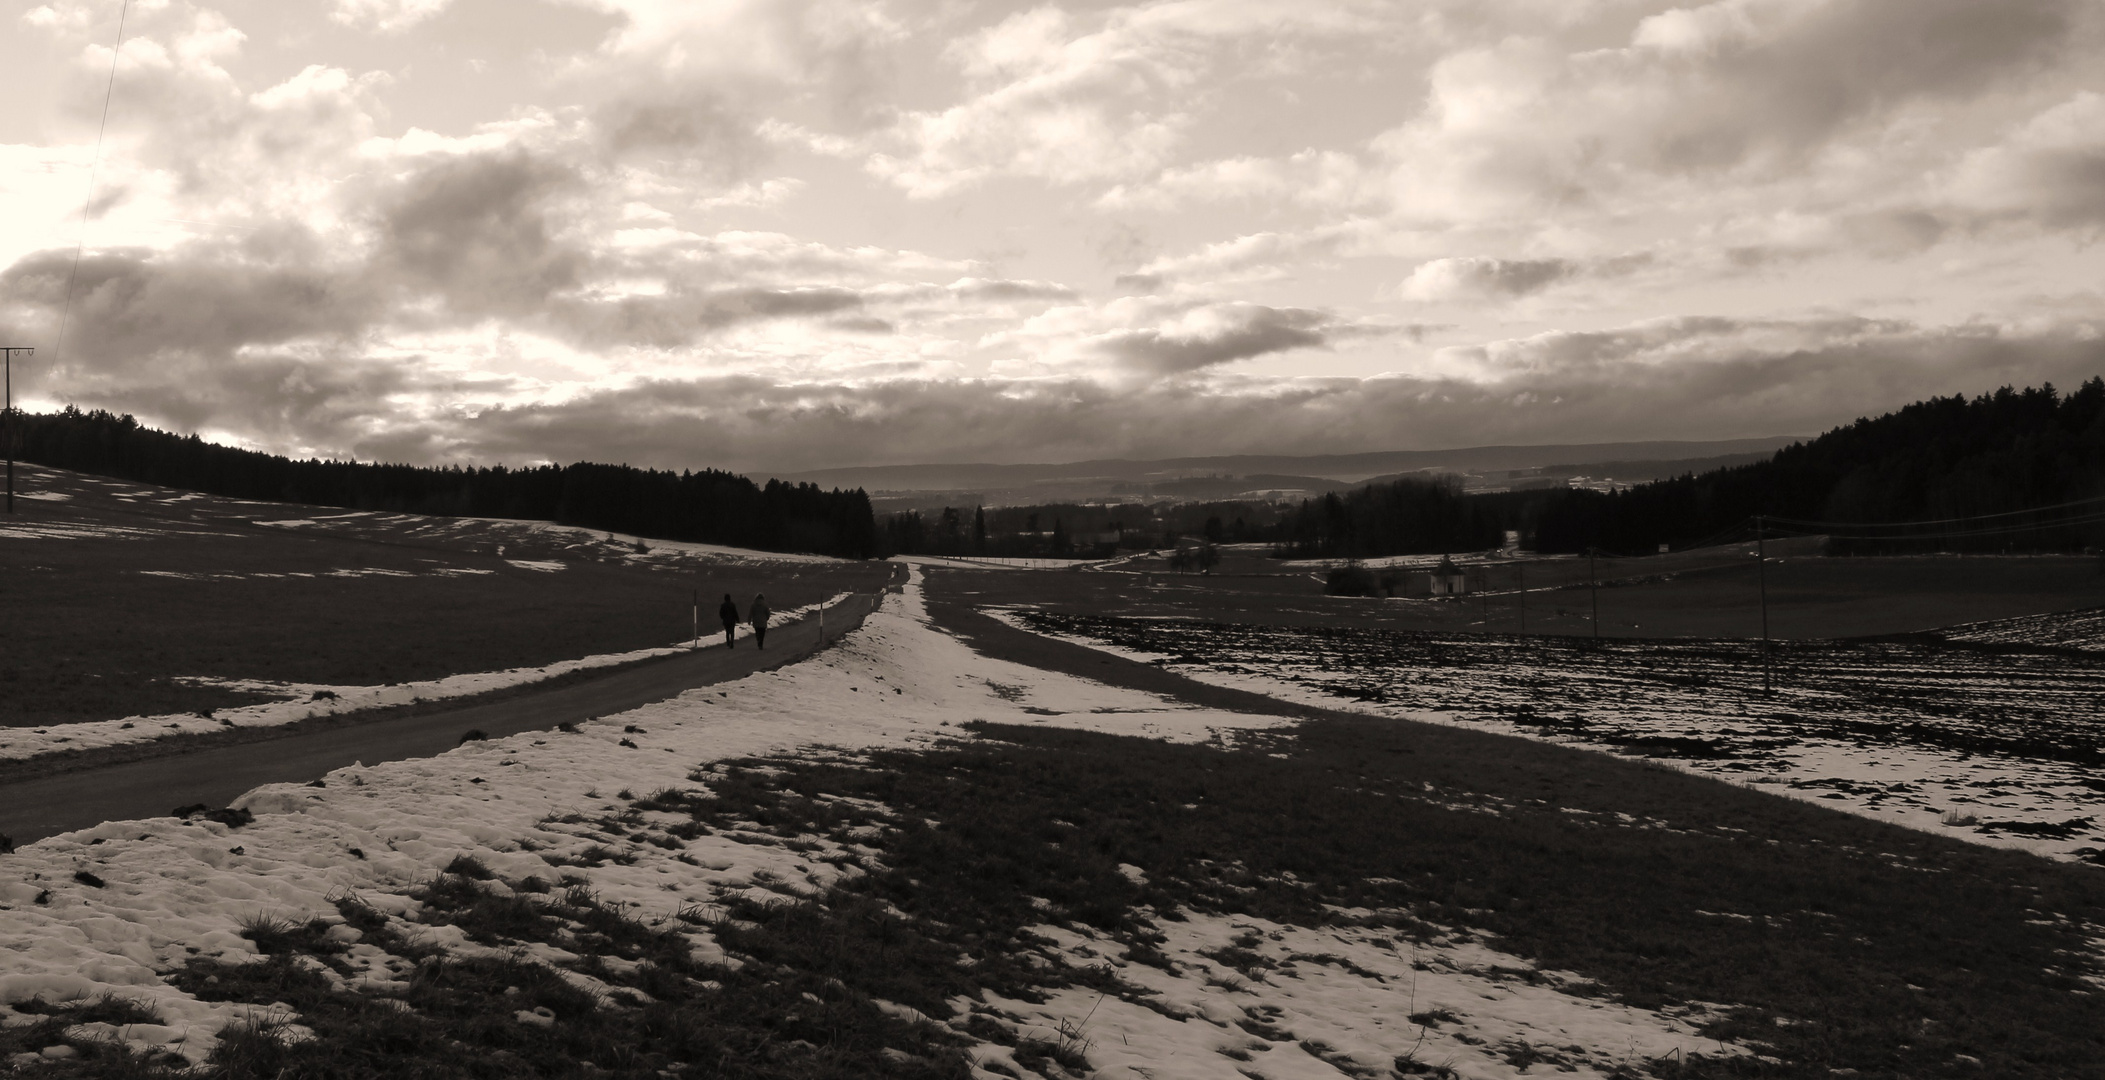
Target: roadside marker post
{"points": [[1522, 570], [1593, 585], [697, 618], [10, 351], [1761, 578]]}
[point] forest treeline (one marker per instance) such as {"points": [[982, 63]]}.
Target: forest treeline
{"points": [[1076, 529], [1951, 459], [710, 507]]}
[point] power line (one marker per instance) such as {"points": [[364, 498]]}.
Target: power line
{"points": [[1951, 534], [1748, 528], [2094, 500], [94, 167]]}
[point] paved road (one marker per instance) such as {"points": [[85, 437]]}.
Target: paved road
{"points": [[34, 809]]}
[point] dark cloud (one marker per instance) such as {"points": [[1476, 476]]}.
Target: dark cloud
{"points": [[1219, 335], [1790, 90], [474, 231], [1681, 378], [760, 426], [2051, 171], [2068, 187], [1005, 289], [130, 307], [1894, 233], [269, 354], [694, 130], [683, 316], [297, 403], [755, 425], [1473, 277], [1479, 278]]}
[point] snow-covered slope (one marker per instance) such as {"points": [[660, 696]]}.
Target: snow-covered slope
{"points": [[116, 908]]}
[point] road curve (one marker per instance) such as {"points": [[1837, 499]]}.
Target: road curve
{"points": [[33, 809]]}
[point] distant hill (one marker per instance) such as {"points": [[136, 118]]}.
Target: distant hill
{"points": [[708, 507], [1233, 474]]}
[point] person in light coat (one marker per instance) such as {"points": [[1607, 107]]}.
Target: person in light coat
{"points": [[757, 615]]}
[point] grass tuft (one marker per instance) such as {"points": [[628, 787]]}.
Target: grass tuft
{"points": [[665, 1014], [468, 866]]}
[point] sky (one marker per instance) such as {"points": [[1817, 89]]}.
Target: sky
{"points": [[774, 235]]}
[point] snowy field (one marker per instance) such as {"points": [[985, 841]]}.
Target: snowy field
{"points": [[2083, 630], [124, 907], [305, 701], [198, 514], [1997, 747], [543, 535], [1002, 562]]}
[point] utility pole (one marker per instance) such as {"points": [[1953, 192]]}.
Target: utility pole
{"points": [[1761, 577], [1593, 585], [10, 351]]}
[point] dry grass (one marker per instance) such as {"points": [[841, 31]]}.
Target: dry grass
{"points": [[97, 629]]}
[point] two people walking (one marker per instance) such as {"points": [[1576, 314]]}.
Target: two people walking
{"points": [[757, 615]]}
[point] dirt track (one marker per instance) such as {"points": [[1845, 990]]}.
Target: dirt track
{"points": [[992, 637]]}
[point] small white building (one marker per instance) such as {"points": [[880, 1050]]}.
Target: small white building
{"points": [[1446, 579]]}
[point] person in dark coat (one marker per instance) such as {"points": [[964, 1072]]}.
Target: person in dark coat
{"points": [[729, 614], [758, 614]]}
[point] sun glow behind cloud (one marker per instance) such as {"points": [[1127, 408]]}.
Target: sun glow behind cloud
{"points": [[774, 236]]}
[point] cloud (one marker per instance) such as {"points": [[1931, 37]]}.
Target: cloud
{"points": [[207, 338], [279, 261], [686, 128], [1203, 337], [772, 192], [1753, 87], [130, 307], [1685, 342], [1247, 257], [806, 43], [1891, 233], [276, 355], [1475, 278], [1742, 389], [700, 86], [1152, 337], [474, 232], [1479, 279], [2051, 170], [1777, 77], [1331, 179], [1004, 290], [682, 317], [1071, 100], [387, 16]]}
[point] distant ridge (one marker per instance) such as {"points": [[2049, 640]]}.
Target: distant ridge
{"points": [[1348, 468]]}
